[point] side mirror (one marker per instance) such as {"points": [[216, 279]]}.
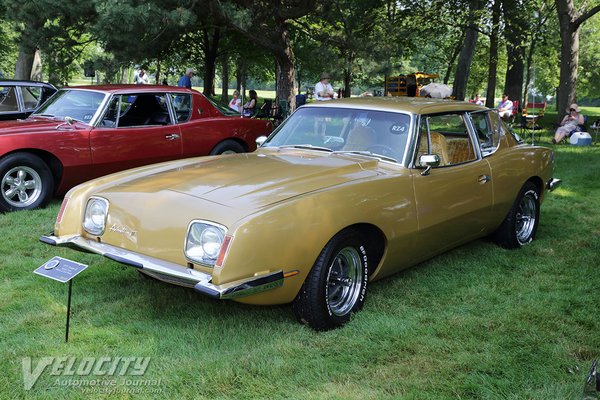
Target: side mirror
{"points": [[260, 140], [430, 161]]}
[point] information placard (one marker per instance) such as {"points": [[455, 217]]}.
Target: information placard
{"points": [[60, 269]]}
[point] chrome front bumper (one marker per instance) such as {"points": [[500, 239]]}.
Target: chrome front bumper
{"points": [[553, 184], [173, 273]]}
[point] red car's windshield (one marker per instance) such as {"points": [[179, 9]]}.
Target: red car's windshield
{"points": [[80, 105]]}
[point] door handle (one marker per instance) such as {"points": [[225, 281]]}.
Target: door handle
{"points": [[172, 136], [484, 178]]}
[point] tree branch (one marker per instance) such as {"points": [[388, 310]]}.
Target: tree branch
{"points": [[585, 16]]}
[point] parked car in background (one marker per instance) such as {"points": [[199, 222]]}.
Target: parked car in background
{"points": [[18, 99], [86, 132], [343, 193]]}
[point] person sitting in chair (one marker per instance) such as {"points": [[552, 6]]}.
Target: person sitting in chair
{"points": [[250, 106], [505, 107], [569, 124]]}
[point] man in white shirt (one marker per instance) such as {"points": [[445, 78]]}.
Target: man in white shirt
{"points": [[323, 89]]}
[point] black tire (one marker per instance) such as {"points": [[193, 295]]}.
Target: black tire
{"points": [[227, 147], [520, 225], [25, 182], [336, 287]]}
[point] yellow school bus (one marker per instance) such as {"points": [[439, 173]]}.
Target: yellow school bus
{"points": [[408, 85]]}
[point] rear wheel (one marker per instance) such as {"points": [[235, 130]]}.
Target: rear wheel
{"points": [[25, 182], [520, 225], [227, 147], [336, 286]]}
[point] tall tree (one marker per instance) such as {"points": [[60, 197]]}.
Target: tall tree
{"points": [[466, 55], [58, 21], [350, 28], [570, 20], [516, 17], [537, 35], [267, 24], [493, 55]]}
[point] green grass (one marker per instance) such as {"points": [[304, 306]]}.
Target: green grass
{"points": [[479, 322]]}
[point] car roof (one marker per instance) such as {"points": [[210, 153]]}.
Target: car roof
{"points": [[114, 88], [415, 105], [18, 82]]}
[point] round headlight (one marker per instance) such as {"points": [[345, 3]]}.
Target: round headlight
{"points": [[203, 242], [96, 211], [211, 240]]}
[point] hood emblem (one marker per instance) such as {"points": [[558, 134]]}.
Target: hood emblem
{"points": [[130, 233]]}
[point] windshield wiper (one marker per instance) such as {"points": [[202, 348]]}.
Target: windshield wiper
{"points": [[306, 146], [45, 115], [368, 154]]}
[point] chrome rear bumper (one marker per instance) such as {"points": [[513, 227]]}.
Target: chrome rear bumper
{"points": [[553, 184], [173, 273]]}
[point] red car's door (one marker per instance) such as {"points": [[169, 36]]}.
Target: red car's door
{"points": [[135, 130]]}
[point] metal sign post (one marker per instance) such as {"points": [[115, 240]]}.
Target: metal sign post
{"points": [[62, 270]]}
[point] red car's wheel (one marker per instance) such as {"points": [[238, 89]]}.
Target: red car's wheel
{"points": [[25, 182]]}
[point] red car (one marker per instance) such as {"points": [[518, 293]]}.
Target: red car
{"points": [[82, 133]]}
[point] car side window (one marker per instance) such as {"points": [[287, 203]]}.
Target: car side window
{"points": [[31, 96], [8, 99], [140, 109], [447, 136], [487, 127], [182, 104]]}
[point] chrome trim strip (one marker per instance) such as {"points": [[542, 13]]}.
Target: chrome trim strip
{"points": [[553, 184], [202, 282]]}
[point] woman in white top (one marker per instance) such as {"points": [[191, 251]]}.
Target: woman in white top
{"points": [[235, 102], [570, 123]]}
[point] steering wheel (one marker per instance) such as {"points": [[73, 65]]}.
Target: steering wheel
{"points": [[384, 150]]}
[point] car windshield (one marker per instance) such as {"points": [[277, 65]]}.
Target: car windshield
{"points": [[381, 134], [80, 105]]}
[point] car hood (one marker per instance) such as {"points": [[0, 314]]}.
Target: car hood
{"points": [[32, 125], [253, 180]]}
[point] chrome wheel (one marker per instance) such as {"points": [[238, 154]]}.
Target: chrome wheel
{"points": [[21, 186], [526, 217], [344, 281], [336, 286]]}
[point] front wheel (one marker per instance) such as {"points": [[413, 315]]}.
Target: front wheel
{"points": [[227, 147], [336, 286], [520, 225], [25, 182]]}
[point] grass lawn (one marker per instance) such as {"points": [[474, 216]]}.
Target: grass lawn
{"points": [[479, 322]]}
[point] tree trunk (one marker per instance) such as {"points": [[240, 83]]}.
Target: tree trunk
{"points": [[24, 63], [490, 96], [211, 46], [513, 84], [516, 39], [453, 56], [463, 68], [158, 71], [286, 77], [528, 70], [225, 79], [570, 21], [347, 82]]}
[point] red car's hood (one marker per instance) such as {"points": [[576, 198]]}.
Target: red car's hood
{"points": [[33, 125]]}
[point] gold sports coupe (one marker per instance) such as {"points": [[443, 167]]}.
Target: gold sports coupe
{"points": [[343, 193]]}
